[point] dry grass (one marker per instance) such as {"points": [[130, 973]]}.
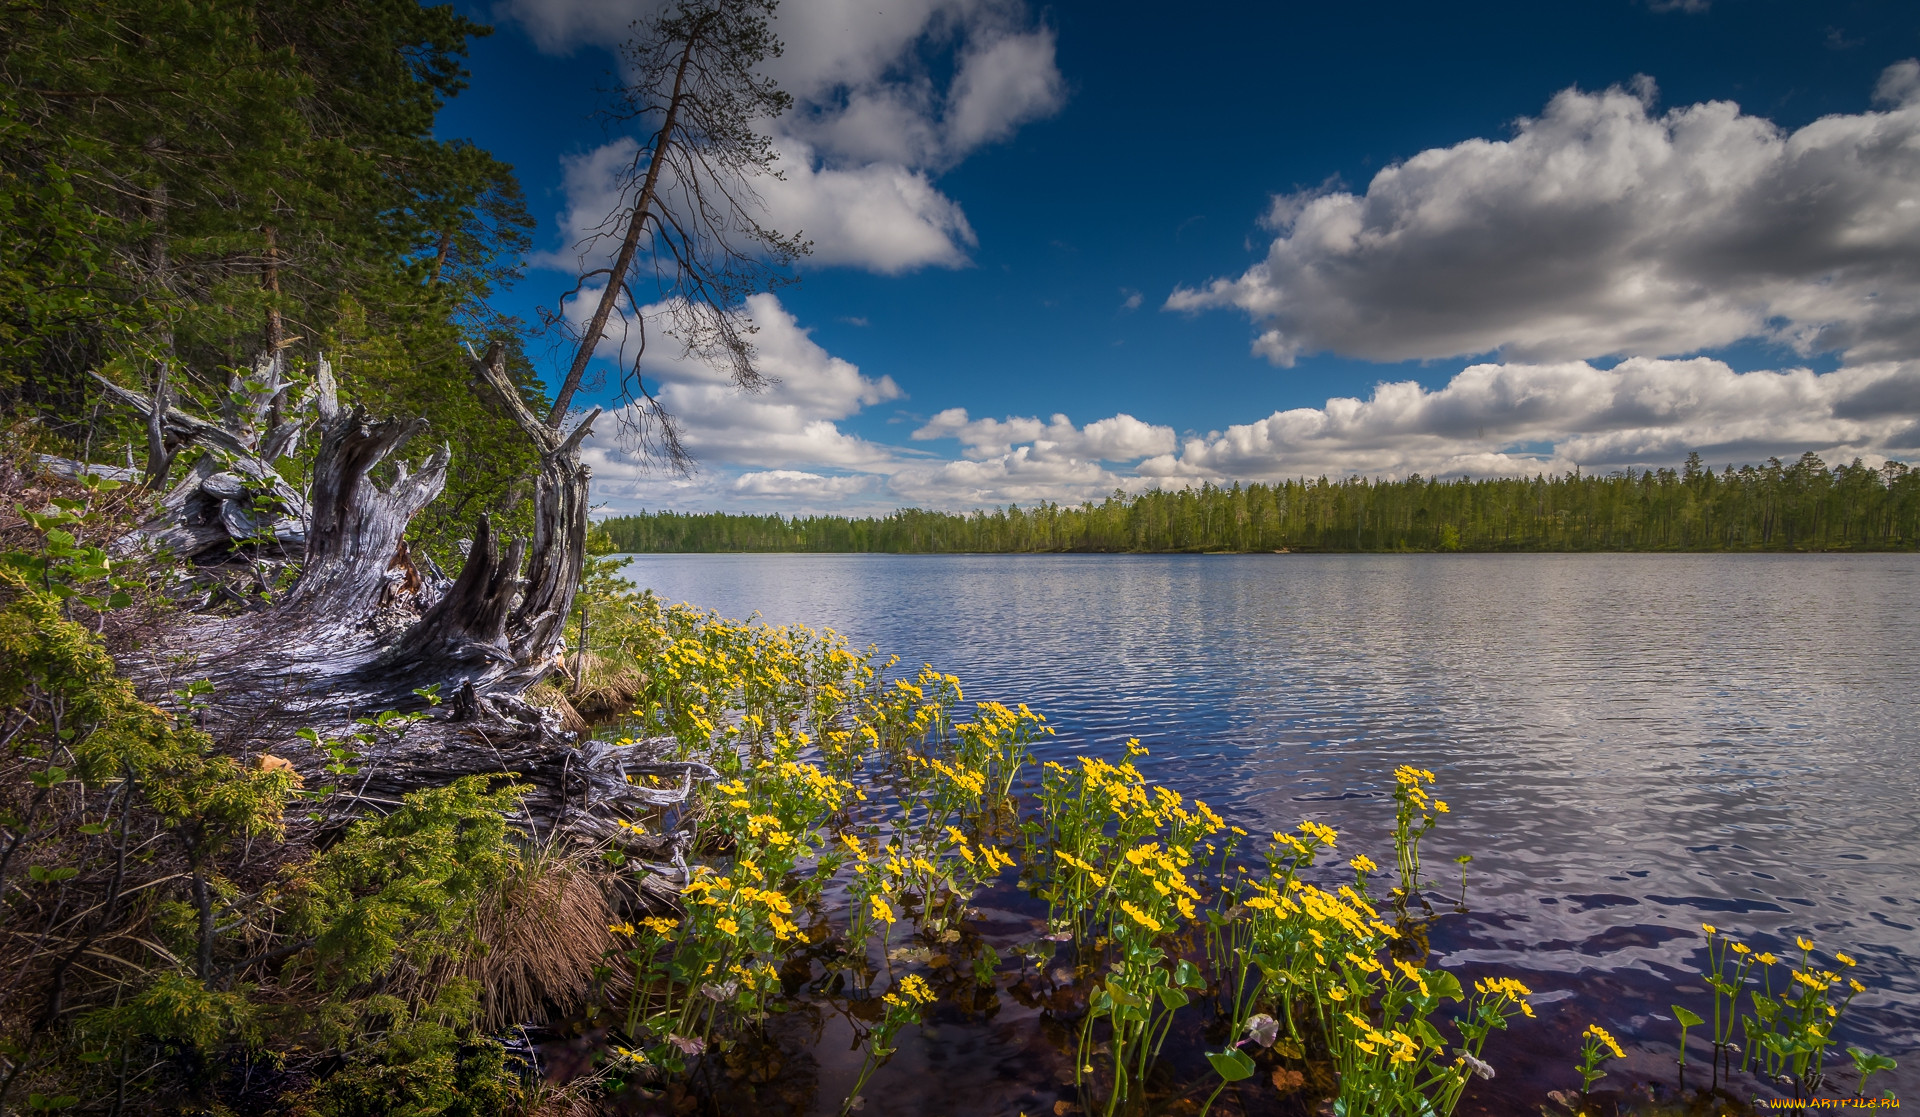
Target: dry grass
{"points": [[575, 1099], [606, 687], [539, 939]]}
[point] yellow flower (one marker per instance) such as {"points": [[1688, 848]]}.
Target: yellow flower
{"points": [[1363, 863], [1856, 986], [1765, 958], [1440, 805], [1844, 959], [728, 925], [1140, 917], [881, 911], [1742, 948], [1803, 943], [1709, 928], [1325, 835], [1601, 1034], [915, 986]]}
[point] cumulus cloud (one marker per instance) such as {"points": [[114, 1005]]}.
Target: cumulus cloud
{"points": [[794, 482], [1024, 476], [591, 181], [1121, 438], [1550, 417], [1603, 228], [785, 450], [879, 216], [1003, 83], [794, 422], [871, 126]]}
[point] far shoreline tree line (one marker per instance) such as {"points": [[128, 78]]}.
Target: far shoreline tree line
{"points": [[1802, 506]]}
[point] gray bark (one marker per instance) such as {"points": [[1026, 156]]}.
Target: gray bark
{"points": [[361, 631]]}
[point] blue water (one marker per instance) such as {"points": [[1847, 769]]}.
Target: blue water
{"points": [[1632, 744]]}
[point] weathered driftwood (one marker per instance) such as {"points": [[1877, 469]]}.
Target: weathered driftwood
{"points": [[233, 495], [594, 789], [502, 631], [364, 629]]}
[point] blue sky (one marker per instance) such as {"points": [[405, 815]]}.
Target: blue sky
{"points": [[1245, 242]]}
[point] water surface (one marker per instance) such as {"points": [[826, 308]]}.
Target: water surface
{"points": [[1632, 744]]}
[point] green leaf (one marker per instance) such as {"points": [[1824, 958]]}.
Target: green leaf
{"points": [[1444, 984], [1867, 1063], [1232, 1064], [1686, 1017], [1172, 998]]}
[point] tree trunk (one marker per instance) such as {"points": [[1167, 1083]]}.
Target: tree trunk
{"points": [[361, 632]]}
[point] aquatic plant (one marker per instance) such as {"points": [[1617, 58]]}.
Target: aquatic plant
{"points": [[1596, 1047], [1787, 1031], [1110, 855]]}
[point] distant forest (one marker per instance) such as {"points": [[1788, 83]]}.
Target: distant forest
{"points": [[1804, 506]]}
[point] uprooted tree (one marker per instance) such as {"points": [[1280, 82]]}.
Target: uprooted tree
{"points": [[365, 627]]}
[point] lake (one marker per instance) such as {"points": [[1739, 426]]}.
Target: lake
{"points": [[1632, 744]]}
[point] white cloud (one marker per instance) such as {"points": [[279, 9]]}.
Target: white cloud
{"points": [[591, 181], [1002, 84], [1601, 228], [793, 482], [1527, 418], [1121, 438], [1023, 476], [794, 422], [559, 26], [785, 451], [878, 216], [870, 125]]}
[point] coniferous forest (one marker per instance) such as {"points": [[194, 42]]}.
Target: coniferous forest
{"points": [[1805, 506]]}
